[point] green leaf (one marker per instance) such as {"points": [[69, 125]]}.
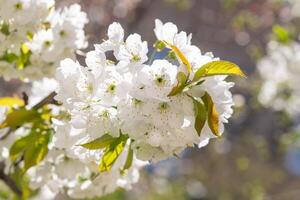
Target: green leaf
{"points": [[200, 115], [99, 143], [129, 159], [112, 153], [37, 151], [19, 146], [22, 182], [212, 114], [9, 57], [25, 49], [18, 117], [171, 55], [24, 58], [180, 55], [21, 60], [181, 79], [5, 29], [219, 67], [282, 35], [29, 36], [34, 147]]}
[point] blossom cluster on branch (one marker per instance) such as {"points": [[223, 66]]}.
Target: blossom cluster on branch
{"points": [[124, 108], [35, 36], [152, 101]]}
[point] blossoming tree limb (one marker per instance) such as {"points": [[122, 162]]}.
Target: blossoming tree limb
{"points": [[86, 130]]}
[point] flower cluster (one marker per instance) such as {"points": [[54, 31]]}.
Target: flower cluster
{"points": [[35, 37], [66, 168], [162, 104], [280, 73], [70, 169], [109, 118]]}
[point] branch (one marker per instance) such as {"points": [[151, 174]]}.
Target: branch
{"points": [[9, 181], [47, 100], [4, 136], [5, 178]]}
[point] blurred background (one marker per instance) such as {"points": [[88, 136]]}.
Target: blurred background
{"points": [[258, 156]]}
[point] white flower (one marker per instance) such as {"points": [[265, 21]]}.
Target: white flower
{"points": [[155, 81], [68, 27], [22, 11], [91, 95], [134, 50], [69, 70], [168, 32], [115, 32], [4, 144], [279, 71], [165, 32], [44, 35], [115, 35]]}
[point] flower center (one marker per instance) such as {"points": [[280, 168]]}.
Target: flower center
{"points": [[19, 6], [47, 43], [111, 88], [62, 33], [136, 102], [105, 114], [163, 107], [135, 58], [160, 80]]}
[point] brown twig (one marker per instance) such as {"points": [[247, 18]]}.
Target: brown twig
{"points": [[4, 177], [47, 100], [5, 135], [9, 181]]}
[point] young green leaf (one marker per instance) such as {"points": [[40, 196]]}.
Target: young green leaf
{"points": [[181, 79], [219, 67], [24, 58], [22, 183], [19, 146], [110, 156], [200, 116], [9, 57], [34, 147], [212, 114], [129, 159], [99, 143], [112, 153], [171, 55], [29, 36], [37, 151], [18, 117], [282, 35], [4, 29], [180, 55]]}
